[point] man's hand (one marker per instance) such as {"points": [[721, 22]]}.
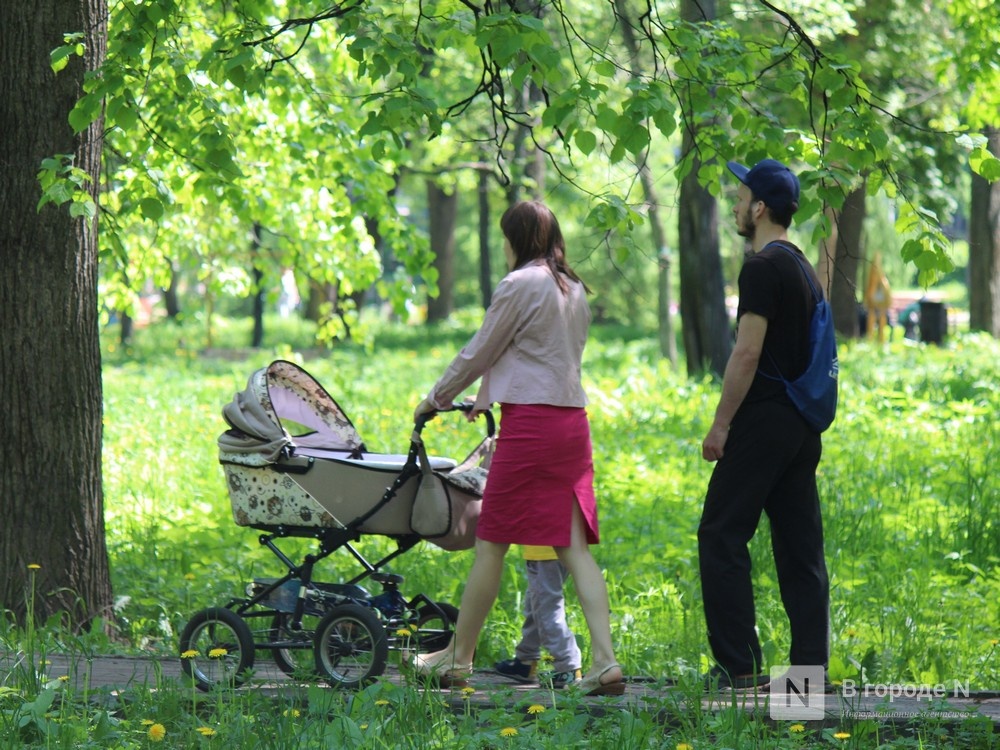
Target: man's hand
{"points": [[712, 447]]}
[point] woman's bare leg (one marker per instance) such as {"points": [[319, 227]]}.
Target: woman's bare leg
{"points": [[481, 589], [592, 592]]}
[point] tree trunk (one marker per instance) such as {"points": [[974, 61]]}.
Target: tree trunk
{"points": [[668, 343], [485, 271], [704, 321], [443, 209], [51, 500], [846, 255], [984, 249], [170, 297], [257, 290]]}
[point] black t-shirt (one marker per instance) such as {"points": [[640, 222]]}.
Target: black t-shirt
{"points": [[773, 286]]}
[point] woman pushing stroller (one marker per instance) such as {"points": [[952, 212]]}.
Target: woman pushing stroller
{"points": [[528, 353]]}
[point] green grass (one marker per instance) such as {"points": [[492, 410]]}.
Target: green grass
{"points": [[911, 503]]}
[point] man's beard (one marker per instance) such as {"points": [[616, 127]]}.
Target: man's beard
{"points": [[747, 227]]}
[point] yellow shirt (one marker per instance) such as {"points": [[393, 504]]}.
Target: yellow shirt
{"points": [[531, 552]]}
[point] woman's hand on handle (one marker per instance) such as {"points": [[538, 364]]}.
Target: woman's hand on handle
{"points": [[425, 407]]}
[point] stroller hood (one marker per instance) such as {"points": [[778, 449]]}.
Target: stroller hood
{"points": [[283, 391]]}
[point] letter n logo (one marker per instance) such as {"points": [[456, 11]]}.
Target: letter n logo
{"points": [[797, 693]]}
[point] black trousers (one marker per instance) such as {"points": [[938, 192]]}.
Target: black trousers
{"points": [[769, 465]]}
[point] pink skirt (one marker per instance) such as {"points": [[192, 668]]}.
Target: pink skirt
{"points": [[542, 465]]}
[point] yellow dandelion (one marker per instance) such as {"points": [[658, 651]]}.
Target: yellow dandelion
{"points": [[156, 733], [217, 653], [292, 712], [34, 566], [381, 702], [64, 678], [206, 731], [189, 654], [403, 633], [189, 576], [796, 728], [468, 690], [842, 735], [684, 746], [508, 732], [536, 708], [995, 642]]}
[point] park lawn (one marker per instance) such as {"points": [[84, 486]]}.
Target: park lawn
{"points": [[911, 503]]}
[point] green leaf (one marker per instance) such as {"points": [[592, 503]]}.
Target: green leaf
{"points": [[585, 140], [151, 209]]}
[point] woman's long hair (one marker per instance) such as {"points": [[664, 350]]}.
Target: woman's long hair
{"points": [[533, 232]]}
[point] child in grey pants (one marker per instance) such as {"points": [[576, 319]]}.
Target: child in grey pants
{"points": [[545, 625]]}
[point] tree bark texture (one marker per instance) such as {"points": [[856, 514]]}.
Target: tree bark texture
{"points": [[665, 328], [443, 208], [705, 323], [842, 256], [984, 249], [485, 269], [51, 500]]}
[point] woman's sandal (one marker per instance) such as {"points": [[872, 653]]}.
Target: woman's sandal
{"points": [[593, 686], [432, 667]]}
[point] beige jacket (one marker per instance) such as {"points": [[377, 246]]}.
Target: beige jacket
{"points": [[529, 347]]}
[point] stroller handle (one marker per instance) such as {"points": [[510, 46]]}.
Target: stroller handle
{"points": [[466, 407]]}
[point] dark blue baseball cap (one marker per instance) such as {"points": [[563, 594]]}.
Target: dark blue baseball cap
{"points": [[770, 181]]}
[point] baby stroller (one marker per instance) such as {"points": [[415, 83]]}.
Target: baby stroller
{"points": [[323, 484]]}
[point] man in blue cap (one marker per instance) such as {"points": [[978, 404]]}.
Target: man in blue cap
{"points": [[765, 453]]}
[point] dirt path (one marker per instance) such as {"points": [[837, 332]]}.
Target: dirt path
{"points": [[110, 674]]}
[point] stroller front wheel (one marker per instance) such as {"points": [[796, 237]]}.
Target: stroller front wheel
{"points": [[350, 647], [217, 648]]}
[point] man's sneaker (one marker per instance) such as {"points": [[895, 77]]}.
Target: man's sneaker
{"points": [[719, 679], [564, 679], [518, 670]]}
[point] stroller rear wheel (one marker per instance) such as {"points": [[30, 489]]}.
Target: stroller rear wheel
{"points": [[351, 647], [217, 648]]}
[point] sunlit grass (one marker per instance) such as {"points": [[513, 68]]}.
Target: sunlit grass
{"points": [[911, 504]]}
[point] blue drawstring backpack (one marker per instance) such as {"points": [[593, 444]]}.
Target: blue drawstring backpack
{"points": [[814, 392]]}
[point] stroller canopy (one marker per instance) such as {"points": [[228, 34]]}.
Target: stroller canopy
{"points": [[279, 393]]}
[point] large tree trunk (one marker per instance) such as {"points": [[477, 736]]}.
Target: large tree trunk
{"points": [[443, 209], [704, 321], [984, 249], [668, 343], [840, 257], [51, 501]]}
